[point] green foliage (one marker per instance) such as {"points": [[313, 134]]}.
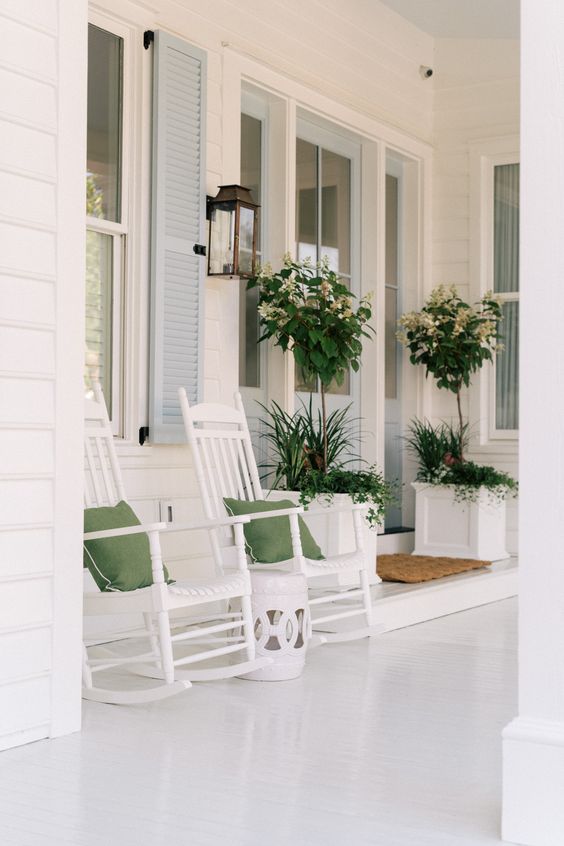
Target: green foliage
{"points": [[296, 442], [468, 477], [451, 339], [341, 439], [296, 446], [437, 449], [367, 486], [94, 197], [310, 310]]}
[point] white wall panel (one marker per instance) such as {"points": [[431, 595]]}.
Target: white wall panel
{"points": [[26, 501], [34, 303], [27, 149], [25, 704], [26, 451], [27, 199], [30, 650], [26, 350], [39, 13], [26, 402], [28, 100], [27, 250], [24, 551], [37, 607], [29, 50]]}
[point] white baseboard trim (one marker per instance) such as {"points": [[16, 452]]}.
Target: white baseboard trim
{"points": [[28, 735], [407, 605], [533, 782]]}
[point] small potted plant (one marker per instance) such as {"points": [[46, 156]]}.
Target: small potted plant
{"points": [[307, 309], [459, 505]]}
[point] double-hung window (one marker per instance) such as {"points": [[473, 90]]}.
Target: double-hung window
{"points": [[106, 217], [252, 171], [504, 402], [325, 185], [495, 217]]}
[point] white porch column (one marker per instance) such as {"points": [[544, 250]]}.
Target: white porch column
{"points": [[533, 744]]}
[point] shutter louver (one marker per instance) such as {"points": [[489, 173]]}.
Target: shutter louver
{"points": [[178, 222]]}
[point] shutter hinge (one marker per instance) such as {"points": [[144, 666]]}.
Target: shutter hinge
{"points": [[143, 435], [199, 249], [148, 38]]}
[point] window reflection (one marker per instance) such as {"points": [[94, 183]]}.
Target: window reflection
{"points": [[103, 157]]}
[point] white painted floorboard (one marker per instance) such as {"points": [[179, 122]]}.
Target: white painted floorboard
{"points": [[388, 742]]}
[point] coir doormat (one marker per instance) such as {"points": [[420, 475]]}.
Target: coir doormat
{"points": [[422, 568]]}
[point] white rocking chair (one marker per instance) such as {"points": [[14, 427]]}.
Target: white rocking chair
{"points": [[225, 466], [222, 634]]}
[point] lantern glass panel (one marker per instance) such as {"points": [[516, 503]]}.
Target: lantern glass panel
{"points": [[246, 227], [222, 239]]}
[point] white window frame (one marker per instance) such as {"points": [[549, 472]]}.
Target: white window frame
{"points": [[326, 136], [484, 157], [119, 232], [256, 106]]}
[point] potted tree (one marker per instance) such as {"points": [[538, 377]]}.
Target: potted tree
{"points": [[459, 505], [307, 309]]}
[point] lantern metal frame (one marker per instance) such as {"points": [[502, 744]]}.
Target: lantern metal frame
{"points": [[232, 198]]}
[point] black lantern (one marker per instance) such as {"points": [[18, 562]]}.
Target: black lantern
{"points": [[233, 232]]}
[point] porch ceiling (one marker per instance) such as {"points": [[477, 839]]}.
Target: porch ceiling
{"points": [[461, 19]]}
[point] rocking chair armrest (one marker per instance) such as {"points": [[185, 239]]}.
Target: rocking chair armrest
{"points": [[340, 509], [127, 530], [207, 524], [279, 512]]}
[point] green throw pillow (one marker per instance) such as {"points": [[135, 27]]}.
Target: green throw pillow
{"points": [[269, 541], [122, 563]]}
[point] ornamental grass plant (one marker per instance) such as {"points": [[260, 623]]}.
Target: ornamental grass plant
{"points": [[295, 443], [437, 450]]}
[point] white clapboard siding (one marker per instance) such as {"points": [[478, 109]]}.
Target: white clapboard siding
{"points": [[178, 223], [34, 273]]}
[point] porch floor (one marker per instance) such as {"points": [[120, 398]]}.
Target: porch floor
{"points": [[389, 742]]}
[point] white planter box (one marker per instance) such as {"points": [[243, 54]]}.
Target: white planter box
{"points": [[458, 529], [334, 533]]}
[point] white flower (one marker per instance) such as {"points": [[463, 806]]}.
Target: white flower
{"points": [[265, 271]]}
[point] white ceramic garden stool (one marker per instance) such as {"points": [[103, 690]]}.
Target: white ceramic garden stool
{"points": [[282, 623]]}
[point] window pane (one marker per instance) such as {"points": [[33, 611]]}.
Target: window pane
{"points": [[507, 371], [392, 230], [103, 165], [392, 281], [251, 177], [249, 350], [306, 383], [306, 200], [336, 211], [391, 353], [506, 228], [345, 388], [246, 225], [251, 162], [342, 390], [99, 284]]}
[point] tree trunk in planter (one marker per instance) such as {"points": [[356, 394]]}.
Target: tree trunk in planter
{"points": [[334, 534], [458, 529]]}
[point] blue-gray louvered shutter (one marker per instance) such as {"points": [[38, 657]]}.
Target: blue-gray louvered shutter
{"points": [[178, 223]]}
